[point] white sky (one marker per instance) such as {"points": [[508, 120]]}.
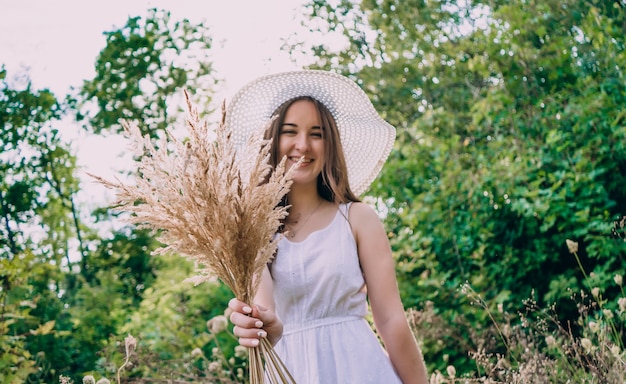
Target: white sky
{"points": [[58, 41]]}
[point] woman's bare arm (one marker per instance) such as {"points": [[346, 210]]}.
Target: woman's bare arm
{"points": [[382, 288]]}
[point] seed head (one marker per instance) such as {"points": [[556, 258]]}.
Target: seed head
{"points": [[550, 341], [621, 302], [586, 344], [214, 366], [618, 279], [572, 246], [130, 343], [217, 324]]}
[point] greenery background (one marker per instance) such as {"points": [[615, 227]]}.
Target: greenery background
{"points": [[511, 139]]}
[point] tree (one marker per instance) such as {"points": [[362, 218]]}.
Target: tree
{"points": [[143, 69], [510, 140], [39, 223], [139, 74], [67, 291]]}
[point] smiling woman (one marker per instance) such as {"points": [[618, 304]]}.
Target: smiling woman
{"points": [[312, 299]]}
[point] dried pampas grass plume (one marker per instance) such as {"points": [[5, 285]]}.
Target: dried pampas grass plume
{"points": [[213, 202]]}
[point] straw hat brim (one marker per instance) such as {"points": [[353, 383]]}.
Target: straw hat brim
{"points": [[366, 138]]}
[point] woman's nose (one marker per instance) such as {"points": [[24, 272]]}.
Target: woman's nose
{"points": [[302, 143]]}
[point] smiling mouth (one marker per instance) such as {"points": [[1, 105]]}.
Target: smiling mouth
{"points": [[304, 162]]}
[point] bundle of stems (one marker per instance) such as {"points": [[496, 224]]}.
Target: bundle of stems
{"points": [[213, 201]]}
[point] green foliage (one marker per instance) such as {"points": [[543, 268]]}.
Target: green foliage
{"points": [[36, 196], [16, 361], [510, 140], [541, 348], [142, 70], [69, 291], [31, 150], [171, 322]]}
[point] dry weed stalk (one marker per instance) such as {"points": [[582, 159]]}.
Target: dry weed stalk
{"points": [[214, 203]]}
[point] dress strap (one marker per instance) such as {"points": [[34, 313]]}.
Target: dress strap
{"points": [[345, 208]]}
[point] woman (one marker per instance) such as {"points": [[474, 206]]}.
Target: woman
{"points": [[334, 256]]}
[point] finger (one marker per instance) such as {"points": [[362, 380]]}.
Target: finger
{"points": [[239, 306], [249, 337], [245, 321], [265, 315], [249, 333], [250, 343]]}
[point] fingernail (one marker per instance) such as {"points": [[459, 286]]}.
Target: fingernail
{"points": [[258, 324], [255, 342], [262, 333], [247, 309]]}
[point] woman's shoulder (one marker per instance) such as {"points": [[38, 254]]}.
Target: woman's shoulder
{"points": [[367, 225], [360, 212]]}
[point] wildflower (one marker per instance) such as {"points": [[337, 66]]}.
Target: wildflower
{"points": [[594, 326], [622, 304], [240, 373], [197, 352], [572, 246], [451, 371], [241, 351], [506, 330], [89, 379], [615, 350], [214, 366], [500, 308], [215, 351], [607, 313], [595, 292], [104, 380], [217, 324], [65, 380], [130, 343], [618, 279], [550, 341], [587, 345]]}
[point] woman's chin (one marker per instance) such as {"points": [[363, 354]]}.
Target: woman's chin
{"points": [[300, 177]]}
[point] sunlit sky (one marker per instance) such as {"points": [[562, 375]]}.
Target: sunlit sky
{"points": [[56, 43], [58, 40]]}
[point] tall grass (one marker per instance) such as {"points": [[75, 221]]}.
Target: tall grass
{"points": [[214, 202], [534, 346]]}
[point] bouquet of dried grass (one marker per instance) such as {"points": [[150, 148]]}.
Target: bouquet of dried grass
{"points": [[215, 204]]}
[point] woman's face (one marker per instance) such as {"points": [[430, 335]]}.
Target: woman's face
{"points": [[301, 134]]}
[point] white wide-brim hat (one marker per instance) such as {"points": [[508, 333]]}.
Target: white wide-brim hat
{"points": [[366, 138]]}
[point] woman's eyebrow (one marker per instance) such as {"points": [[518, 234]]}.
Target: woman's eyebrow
{"points": [[296, 125]]}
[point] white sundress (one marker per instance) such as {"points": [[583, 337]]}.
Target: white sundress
{"points": [[320, 297]]}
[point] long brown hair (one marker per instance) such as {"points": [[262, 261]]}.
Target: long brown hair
{"points": [[332, 183]]}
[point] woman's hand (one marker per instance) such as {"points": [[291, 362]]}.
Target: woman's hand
{"points": [[253, 323]]}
